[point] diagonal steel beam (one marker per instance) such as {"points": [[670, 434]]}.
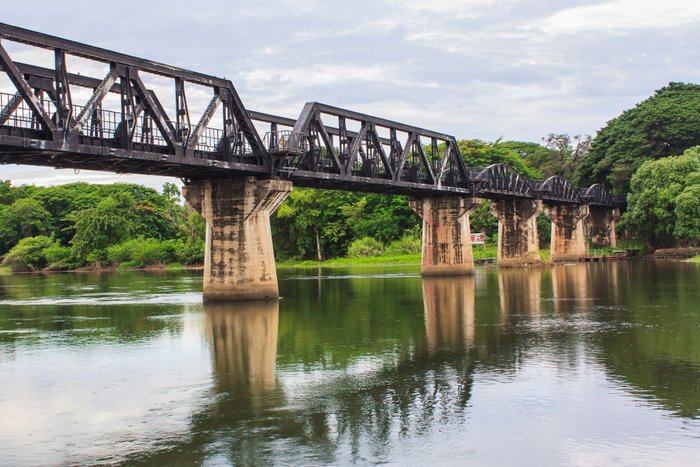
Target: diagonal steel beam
{"points": [[155, 109], [327, 142], [94, 102], [23, 87], [10, 107], [355, 148], [204, 121]]}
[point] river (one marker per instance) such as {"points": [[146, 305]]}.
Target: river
{"points": [[586, 364]]}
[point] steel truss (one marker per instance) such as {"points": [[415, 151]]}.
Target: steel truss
{"points": [[152, 131]]}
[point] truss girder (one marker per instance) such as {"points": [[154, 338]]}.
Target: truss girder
{"points": [[367, 152], [558, 189], [147, 115], [118, 120], [597, 195]]}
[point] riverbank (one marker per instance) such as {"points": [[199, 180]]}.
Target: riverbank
{"points": [[482, 255]]}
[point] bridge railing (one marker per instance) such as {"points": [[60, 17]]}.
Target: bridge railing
{"points": [[285, 142]]}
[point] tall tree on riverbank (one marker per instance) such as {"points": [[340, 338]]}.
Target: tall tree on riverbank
{"points": [[665, 124], [664, 204]]}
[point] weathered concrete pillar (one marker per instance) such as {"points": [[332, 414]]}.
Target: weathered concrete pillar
{"points": [[518, 243], [568, 240], [447, 247], [601, 226], [239, 262]]}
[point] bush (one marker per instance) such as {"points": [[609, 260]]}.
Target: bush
{"points": [[60, 257], [406, 245], [143, 252], [29, 254], [366, 246]]}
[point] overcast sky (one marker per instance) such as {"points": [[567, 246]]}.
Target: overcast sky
{"points": [[471, 68]]}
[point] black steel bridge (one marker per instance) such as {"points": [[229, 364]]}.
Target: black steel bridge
{"points": [[129, 115]]}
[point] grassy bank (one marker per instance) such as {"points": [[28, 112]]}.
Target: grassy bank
{"points": [[695, 259], [489, 251]]}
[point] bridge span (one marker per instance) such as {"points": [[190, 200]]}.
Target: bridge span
{"points": [[72, 105]]}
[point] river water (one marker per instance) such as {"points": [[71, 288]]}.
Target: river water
{"points": [[587, 364]]}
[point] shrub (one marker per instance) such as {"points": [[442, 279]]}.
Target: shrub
{"points": [[59, 257], [151, 251], [406, 245], [366, 246], [29, 254]]}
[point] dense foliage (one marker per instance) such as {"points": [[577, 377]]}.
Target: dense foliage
{"points": [[665, 124], [79, 224], [664, 204]]}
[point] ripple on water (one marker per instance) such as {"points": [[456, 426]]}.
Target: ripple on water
{"points": [[110, 299]]}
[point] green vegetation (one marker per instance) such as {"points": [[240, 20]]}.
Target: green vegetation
{"points": [[665, 124], [664, 203], [81, 225]]}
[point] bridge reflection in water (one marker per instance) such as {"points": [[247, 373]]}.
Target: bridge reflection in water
{"points": [[438, 381]]}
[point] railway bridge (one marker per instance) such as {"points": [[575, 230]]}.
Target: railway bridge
{"points": [[70, 105]]}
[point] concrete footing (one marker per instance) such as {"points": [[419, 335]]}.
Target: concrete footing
{"points": [[568, 240], [601, 226], [518, 243], [239, 261], [447, 247]]}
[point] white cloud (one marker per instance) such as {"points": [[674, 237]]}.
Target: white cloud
{"points": [[621, 15]]}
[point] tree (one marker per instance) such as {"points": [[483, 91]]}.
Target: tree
{"points": [[23, 218], [111, 221], [663, 125], [478, 153], [29, 254], [664, 204]]}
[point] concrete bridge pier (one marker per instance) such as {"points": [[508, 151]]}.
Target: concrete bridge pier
{"points": [[601, 226], [568, 240], [447, 247], [239, 261], [518, 243]]}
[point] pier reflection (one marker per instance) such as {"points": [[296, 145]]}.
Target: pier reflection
{"points": [[449, 312], [520, 292], [243, 342], [570, 286]]}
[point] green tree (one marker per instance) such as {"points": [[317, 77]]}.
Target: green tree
{"points": [[111, 221], [25, 217], [665, 124], [664, 203], [477, 153], [29, 254]]}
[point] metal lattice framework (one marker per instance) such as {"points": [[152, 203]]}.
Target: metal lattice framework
{"points": [[499, 180], [558, 189], [121, 113], [597, 195], [135, 134]]}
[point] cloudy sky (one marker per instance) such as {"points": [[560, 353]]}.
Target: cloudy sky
{"points": [[472, 68]]}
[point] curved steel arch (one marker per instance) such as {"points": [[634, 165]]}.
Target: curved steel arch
{"points": [[597, 195], [502, 179], [558, 188]]}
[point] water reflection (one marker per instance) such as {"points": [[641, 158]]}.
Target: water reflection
{"points": [[243, 344], [449, 312], [570, 287], [357, 367], [519, 292]]}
